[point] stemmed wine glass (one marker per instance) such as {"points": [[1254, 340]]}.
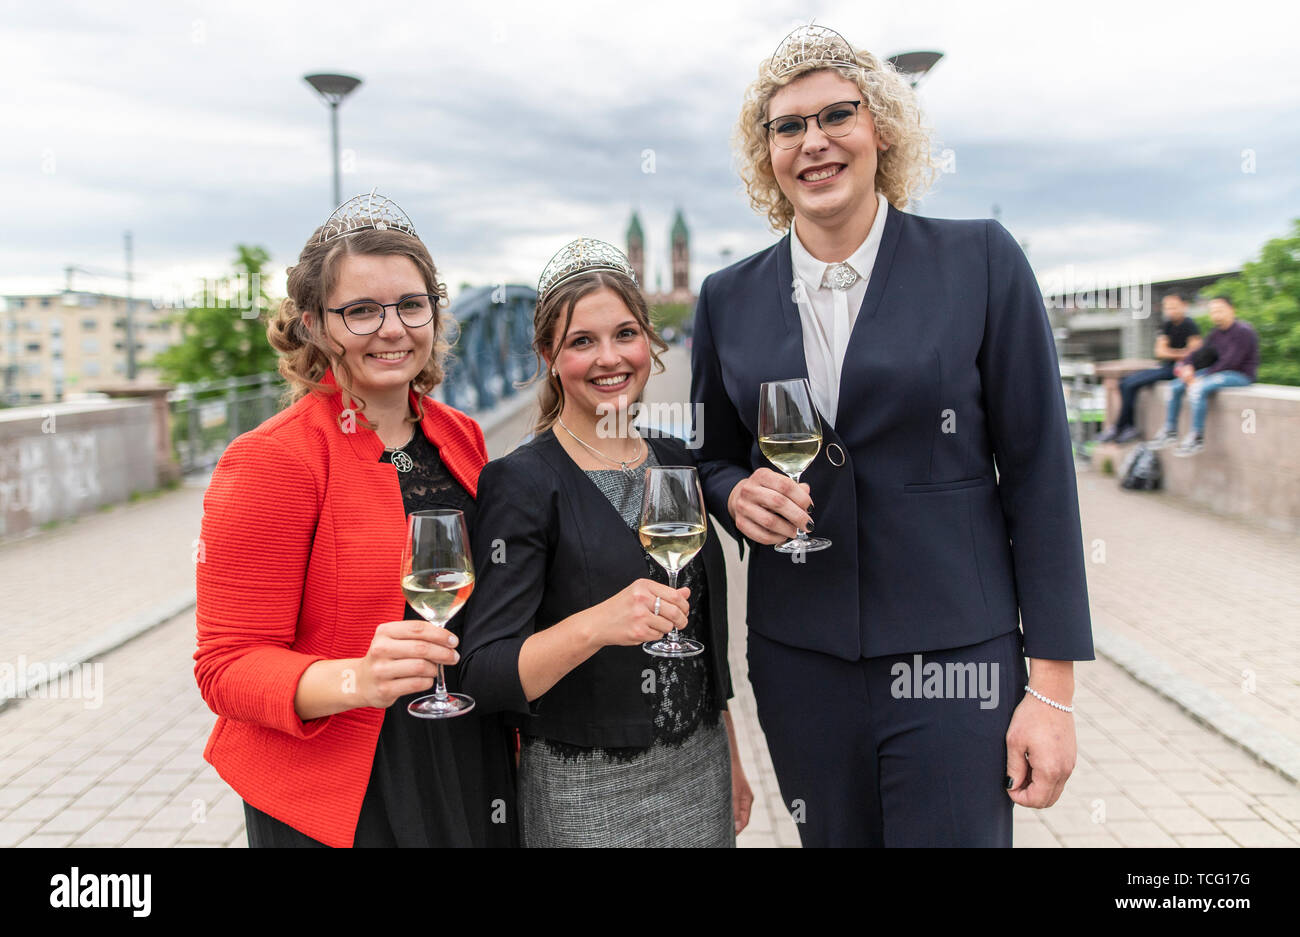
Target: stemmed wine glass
{"points": [[437, 578], [672, 531], [790, 436]]}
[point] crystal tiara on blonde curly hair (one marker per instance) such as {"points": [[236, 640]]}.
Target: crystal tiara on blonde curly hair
{"points": [[579, 256], [366, 213], [810, 47]]}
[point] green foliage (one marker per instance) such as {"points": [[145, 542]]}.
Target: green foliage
{"points": [[218, 339], [670, 314], [1267, 295]]}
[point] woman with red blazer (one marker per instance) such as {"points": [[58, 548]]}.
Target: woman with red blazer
{"points": [[307, 650]]}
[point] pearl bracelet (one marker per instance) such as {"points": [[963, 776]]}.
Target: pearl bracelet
{"points": [[1039, 696]]}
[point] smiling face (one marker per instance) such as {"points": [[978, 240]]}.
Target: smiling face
{"points": [[827, 179], [384, 363], [603, 359]]}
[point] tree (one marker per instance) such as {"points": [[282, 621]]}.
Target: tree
{"points": [[1267, 295], [224, 333], [670, 315]]}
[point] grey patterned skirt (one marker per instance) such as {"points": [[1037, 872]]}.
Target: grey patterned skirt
{"points": [[667, 796]]}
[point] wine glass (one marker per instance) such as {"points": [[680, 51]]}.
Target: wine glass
{"points": [[672, 531], [437, 578], [790, 436]]}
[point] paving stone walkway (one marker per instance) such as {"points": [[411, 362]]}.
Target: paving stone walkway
{"points": [[1209, 600]]}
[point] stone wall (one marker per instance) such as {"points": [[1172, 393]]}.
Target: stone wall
{"points": [[1250, 467], [1251, 464], [65, 459]]}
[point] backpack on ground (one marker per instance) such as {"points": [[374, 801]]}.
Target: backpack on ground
{"points": [[1141, 470]]}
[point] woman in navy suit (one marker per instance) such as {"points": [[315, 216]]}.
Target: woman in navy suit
{"points": [[889, 669]]}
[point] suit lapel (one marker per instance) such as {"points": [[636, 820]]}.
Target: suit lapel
{"points": [[789, 348], [862, 326]]}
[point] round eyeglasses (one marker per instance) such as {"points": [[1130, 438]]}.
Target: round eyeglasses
{"points": [[365, 318], [835, 120]]}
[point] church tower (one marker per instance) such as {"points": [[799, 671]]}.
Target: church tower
{"points": [[681, 256], [636, 251]]}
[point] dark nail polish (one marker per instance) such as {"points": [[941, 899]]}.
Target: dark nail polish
{"points": [[1007, 781], [811, 525]]}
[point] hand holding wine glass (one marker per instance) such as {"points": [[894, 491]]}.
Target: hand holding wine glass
{"points": [[437, 579], [672, 531], [769, 508], [790, 436], [401, 660]]}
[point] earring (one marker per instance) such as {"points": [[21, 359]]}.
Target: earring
{"points": [[555, 372]]}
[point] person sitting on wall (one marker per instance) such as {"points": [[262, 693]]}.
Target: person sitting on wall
{"points": [[1229, 358], [1179, 336]]}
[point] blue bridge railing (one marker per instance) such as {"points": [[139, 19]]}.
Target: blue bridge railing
{"points": [[493, 350]]}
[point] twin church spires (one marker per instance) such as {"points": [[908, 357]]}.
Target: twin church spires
{"points": [[681, 262]]}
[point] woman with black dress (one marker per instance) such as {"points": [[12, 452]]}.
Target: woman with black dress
{"points": [[618, 748], [306, 649]]}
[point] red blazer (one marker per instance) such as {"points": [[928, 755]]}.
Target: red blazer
{"points": [[299, 561]]}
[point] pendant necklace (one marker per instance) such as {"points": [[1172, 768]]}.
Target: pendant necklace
{"points": [[620, 464], [401, 461]]}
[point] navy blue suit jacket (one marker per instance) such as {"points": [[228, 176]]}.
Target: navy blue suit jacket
{"points": [[954, 516]]}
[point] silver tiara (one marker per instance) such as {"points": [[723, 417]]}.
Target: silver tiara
{"points": [[366, 213], [810, 47], [579, 256]]}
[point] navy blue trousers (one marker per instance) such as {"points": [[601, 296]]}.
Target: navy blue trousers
{"points": [[1129, 387], [891, 751]]}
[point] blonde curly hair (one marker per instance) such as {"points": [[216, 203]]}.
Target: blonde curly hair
{"points": [[903, 172], [306, 352]]}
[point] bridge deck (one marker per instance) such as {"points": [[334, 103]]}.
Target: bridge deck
{"points": [[1199, 607]]}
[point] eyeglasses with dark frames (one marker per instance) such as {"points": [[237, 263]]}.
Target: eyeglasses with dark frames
{"points": [[835, 120], [367, 317]]}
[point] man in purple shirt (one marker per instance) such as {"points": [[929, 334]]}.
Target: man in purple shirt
{"points": [[1229, 358]]}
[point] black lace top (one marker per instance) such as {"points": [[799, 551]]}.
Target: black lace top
{"points": [[440, 782]]}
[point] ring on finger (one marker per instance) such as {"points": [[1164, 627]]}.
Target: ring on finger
{"points": [[658, 599]]}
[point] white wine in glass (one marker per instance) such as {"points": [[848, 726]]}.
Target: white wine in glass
{"points": [[437, 579], [672, 531], [791, 452], [790, 436]]}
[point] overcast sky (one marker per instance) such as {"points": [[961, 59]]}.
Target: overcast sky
{"points": [[1117, 139]]}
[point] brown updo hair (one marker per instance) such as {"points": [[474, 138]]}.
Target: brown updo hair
{"points": [[556, 307], [307, 352]]}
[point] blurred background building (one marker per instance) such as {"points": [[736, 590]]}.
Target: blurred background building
{"points": [[61, 344]]}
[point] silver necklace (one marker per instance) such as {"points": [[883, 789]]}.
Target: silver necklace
{"points": [[401, 461], [620, 464]]}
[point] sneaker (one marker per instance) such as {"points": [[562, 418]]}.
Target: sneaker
{"points": [[1165, 437], [1191, 445], [1108, 436], [1128, 435]]}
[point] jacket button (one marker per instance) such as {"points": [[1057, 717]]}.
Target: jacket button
{"points": [[835, 455]]}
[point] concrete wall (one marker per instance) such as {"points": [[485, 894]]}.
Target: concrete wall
{"points": [[65, 459], [1250, 467]]}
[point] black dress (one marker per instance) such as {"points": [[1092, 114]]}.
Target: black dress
{"points": [[434, 782]]}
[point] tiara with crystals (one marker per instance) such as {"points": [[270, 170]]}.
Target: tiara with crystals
{"points": [[810, 47], [366, 213], [579, 256]]}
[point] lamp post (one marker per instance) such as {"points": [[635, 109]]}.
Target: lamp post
{"points": [[333, 89], [914, 65]]}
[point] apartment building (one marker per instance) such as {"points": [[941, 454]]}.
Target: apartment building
{"points": [[56, 345]]}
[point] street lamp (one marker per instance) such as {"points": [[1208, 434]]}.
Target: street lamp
{"points": [[333, 89], [914, 65]]}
